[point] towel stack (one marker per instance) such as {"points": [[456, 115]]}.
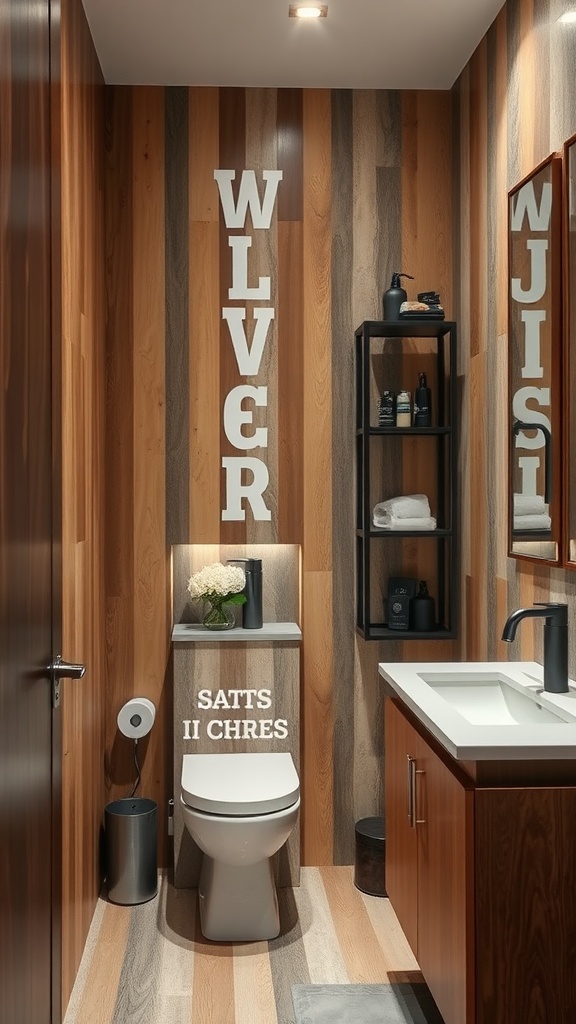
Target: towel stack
{"points": [[531, 512], [406, 512]]}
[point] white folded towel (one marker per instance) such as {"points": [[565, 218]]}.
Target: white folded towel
{"points": [[406, 506], [529, 505], [386, 521], [536, 522]]}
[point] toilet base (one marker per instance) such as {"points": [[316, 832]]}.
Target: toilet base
{"points": [[238, 904]]}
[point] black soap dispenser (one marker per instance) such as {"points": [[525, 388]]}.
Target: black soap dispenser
{"points": [[252, 608], [423, 610], [394, 297], [422, 403]]}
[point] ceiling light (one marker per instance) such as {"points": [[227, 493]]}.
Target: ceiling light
{"points": [[308, 11], [569, 16]]}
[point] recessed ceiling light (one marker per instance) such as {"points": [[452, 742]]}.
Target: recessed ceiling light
{"points": [[568, 16], [308, 11]]}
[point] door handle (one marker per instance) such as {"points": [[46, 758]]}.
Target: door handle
{"points": [[60, 669]]}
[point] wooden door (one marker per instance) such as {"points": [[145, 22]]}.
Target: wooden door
{"points": [[444, 813], [28, 473], [401, 743]]}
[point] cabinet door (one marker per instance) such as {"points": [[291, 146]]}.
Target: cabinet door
{"points": [[444, 811], [401, 847]]}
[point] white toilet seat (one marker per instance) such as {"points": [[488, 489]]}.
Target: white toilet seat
{"points": [[239, 784]]}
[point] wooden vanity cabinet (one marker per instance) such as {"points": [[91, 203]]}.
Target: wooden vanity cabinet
{"points": [[429, 825], [481, 872]]}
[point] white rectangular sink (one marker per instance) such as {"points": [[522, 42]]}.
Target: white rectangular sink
{"points": [[488, 710]]}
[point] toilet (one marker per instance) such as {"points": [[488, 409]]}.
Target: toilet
{"points": [[239, 809]]}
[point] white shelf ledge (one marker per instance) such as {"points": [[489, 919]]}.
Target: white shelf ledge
{"points": [[195, 632]]}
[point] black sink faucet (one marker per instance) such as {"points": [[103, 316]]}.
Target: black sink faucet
{"points": [[555, 641]]}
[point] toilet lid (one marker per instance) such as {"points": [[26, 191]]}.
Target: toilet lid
{"points": [[241, 784]]}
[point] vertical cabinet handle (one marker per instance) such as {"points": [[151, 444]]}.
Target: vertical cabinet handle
{"points": [[413, 771], [411, 764]]}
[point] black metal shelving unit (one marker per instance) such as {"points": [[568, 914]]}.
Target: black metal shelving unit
{"points": [[378, 548]]}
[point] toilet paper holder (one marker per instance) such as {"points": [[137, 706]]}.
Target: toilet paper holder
{"points": [[136, 718]]}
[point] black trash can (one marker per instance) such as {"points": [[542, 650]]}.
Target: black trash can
{"points": [[370, 863], [131, 858]]}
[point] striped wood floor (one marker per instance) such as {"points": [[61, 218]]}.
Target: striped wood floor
{"points": [[150, 964]]}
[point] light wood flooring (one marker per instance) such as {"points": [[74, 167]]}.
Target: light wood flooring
{"points": [[149, 964]]}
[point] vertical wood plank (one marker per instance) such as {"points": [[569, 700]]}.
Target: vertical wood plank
{"points": [[151, 628], [317, 709], [204, 324]]}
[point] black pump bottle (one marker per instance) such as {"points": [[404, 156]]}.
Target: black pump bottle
{"points": [[252, 608], [394, 297]]}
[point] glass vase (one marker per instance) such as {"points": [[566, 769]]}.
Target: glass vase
{"points": [[218, 615]]}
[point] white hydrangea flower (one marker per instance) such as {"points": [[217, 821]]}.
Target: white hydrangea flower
{"points": [[217, 580]]}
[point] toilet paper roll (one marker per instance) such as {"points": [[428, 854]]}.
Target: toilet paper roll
{"points": [[136, 718]]}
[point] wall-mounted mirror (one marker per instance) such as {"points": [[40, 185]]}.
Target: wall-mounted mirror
{"points": [[569, 376], [534, 363]]}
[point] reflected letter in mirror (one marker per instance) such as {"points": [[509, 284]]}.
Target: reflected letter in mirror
{"points": [[534, 357]]}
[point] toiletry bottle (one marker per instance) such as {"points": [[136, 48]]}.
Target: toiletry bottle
{"points": [[422, 403], [403, 416], [394, 297], [252, 609], [387, 409], [423, 610]]}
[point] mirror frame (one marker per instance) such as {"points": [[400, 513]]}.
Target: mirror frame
{"points": [[569, 310], [538, 549]]}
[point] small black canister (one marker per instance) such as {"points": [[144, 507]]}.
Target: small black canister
{"points": [[423, 610], [370, 863]]}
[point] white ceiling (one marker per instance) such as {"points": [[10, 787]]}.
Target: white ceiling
{"points": [[362, 44]]}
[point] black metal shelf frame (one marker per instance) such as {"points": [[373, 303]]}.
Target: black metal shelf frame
{"points": [[444, 431]]}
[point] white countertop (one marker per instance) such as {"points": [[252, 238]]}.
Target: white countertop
{"points": [[486, 742], [195, 632]]}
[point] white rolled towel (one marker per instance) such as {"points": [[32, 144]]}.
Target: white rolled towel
{"points": [[406, 506], [386, 521], [536, 522], [530, 505]]}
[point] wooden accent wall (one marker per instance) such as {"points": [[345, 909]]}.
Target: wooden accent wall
{"points": [[515, 104], [366, 187], [79, 157]]}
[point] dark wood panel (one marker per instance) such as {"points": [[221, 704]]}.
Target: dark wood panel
{"points": [[289, 136], [526, 872]]}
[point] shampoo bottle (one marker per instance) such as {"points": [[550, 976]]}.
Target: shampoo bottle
{"points": [[423, 610], [394, 297], [422, 404]]}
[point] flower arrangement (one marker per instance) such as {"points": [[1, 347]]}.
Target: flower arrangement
{"points": [[218, 585]]}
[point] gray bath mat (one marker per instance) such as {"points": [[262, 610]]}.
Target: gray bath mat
{"points": [[364, 1004]]}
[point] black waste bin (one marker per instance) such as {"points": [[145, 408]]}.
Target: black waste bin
{"points": [[131, 858], [370, 863]]}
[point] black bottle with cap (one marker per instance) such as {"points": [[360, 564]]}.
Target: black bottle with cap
{"points": [[252, 608], [423, 610], [422, 403], [394, 297]]}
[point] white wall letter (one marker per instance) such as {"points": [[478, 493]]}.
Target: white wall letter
{"points": [[236, 492], [240, 290], [248, 359], [235, 416], [247, 197]]}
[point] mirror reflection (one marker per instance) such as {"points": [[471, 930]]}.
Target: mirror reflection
{"points": [[570, 360], [534, 345]]}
